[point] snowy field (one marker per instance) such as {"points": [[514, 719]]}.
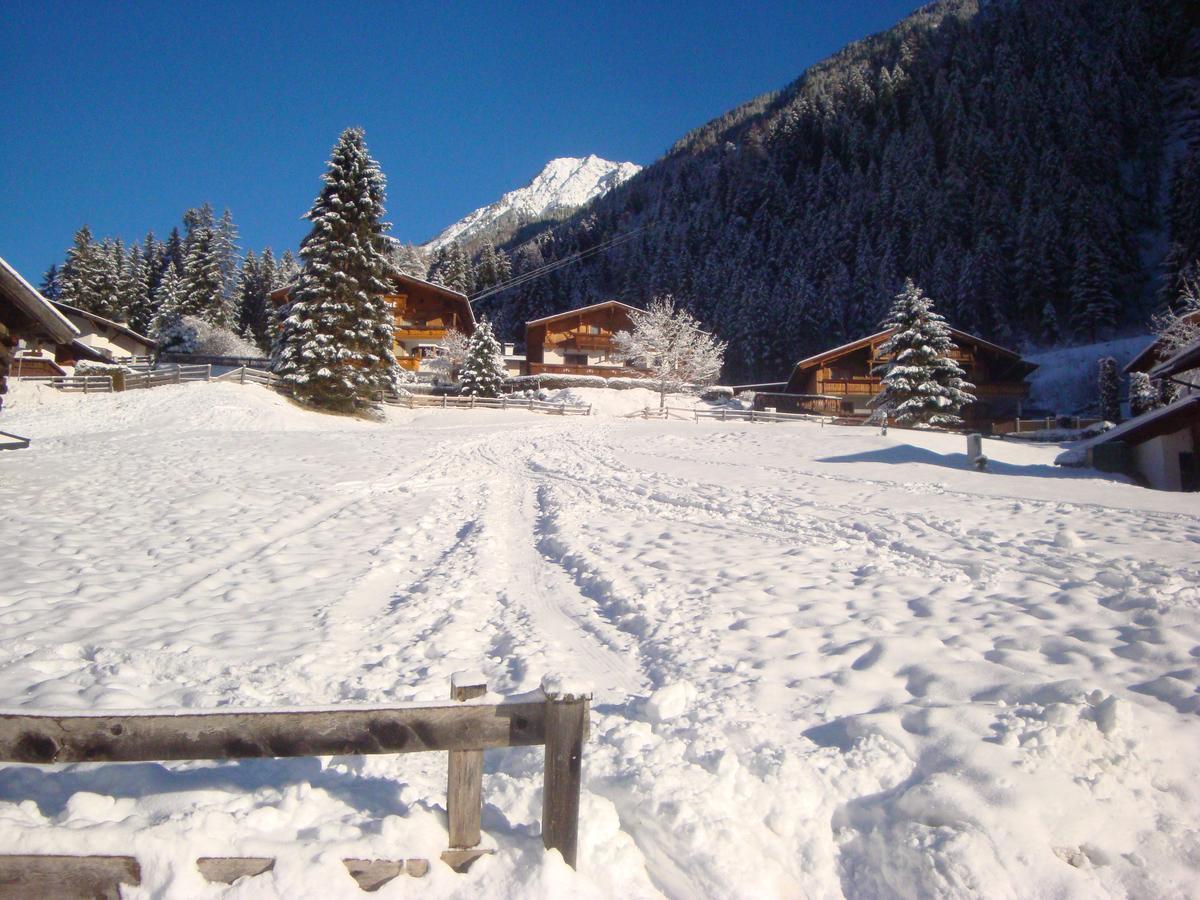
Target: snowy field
{"points": [[827, 663]]}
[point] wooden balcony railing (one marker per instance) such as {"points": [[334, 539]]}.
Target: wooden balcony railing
{"points": [[407, 333], [409, 363]]}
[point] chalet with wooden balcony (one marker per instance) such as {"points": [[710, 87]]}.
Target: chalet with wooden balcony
{"points": [[848, 373], [422, 314], [580, 342]]}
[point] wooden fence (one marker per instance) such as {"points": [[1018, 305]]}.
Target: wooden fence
{"points": [[422, 401], [465, 727], [724, 414], [1026, 426], [83, 384]]}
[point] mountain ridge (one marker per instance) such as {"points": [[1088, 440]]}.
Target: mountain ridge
{"points": [[562, 186]]}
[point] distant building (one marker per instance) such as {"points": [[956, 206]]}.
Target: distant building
{"points": [[422, 314], [848, 373], [115, 340], [580, 342]]}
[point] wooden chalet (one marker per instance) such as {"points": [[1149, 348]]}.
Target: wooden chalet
{"points": [[580, 342], [38, 339], [422, 312], [846, 373]]}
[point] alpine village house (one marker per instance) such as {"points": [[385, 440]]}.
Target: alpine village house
{"points": [[844, 380], [579, 341], [422, 312]]}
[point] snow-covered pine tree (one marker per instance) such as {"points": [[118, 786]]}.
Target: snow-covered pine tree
{"points": [[1179, 324], [226, 245], [492, 268], [81, 272], [287, 270], [668, 342], [338, 343], [921, 384], [107, 300], [255, 282], [451, 268], [51, 287], [407, 259], [1110, 388], [172, 306], [1142, 395], [201, 282], [483, 368]]}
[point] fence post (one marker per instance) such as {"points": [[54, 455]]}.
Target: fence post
{"points": [[472, 401], [504, 402], [464, 780], [566, 729], [208, 374], [178, 375], [531, 403], [243, 374], [443, 401], [85, 381]]}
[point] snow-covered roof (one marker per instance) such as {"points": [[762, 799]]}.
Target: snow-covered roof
{"points": [[1184, 360], [581, 309], [1152, 352], [124, 329], [1152, 424], [34, 305], [961, 336]]}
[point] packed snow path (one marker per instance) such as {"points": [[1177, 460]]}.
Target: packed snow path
{"points": [[827, 663]]}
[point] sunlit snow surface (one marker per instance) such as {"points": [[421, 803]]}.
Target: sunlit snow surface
{"points": [[825, 662]]}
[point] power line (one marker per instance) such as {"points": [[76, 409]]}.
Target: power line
{"points": [[579, 255]]}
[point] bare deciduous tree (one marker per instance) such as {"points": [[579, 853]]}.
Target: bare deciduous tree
{"points": [[669, 342]]}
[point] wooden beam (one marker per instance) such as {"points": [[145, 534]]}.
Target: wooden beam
{"points": [[566, 729], [372, 874], [228, 869], [67, 877], [137, 737], [464, 780]]}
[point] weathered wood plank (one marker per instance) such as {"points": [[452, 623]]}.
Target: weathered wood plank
{"points": [[67, 877], [372, 874], [240, 735], [228, 869], [566, 729], [464, 779], [461, 860]]}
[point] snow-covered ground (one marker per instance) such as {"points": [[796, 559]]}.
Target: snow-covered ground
{"points": [[827, 663]]}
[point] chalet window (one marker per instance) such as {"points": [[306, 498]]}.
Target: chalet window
{"points": [[593, 329], [575, 359]]}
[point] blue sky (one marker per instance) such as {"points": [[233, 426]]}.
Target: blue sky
{"points": [[122, 116]]}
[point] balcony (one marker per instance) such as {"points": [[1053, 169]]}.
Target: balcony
{"points": [[412, 333], [409, 363]]}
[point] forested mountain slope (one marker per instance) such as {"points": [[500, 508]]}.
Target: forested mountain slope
{"points": [[1026, 162]]}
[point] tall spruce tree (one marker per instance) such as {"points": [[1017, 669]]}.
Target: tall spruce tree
{"points": [[81, 273], [1110, 390], [51, 287], [338, 340], [483, 369], [921, 384], [172, 307], [201, 284]]}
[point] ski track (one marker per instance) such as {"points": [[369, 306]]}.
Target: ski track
{"points": [[844, 680]]}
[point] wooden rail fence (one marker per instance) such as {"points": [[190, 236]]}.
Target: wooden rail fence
{"points": [[555, 717], [84, 384], [422, 401], [728, 415]]}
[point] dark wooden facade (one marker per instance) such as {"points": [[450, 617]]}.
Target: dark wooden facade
{"points": [[580, 342], [422, 314], [848, 373], [34, 334]]}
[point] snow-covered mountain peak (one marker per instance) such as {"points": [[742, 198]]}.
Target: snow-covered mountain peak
{"points": [[563, 184]]}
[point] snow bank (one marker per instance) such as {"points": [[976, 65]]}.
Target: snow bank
{"points": [[618, 403], [824, 662]]}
